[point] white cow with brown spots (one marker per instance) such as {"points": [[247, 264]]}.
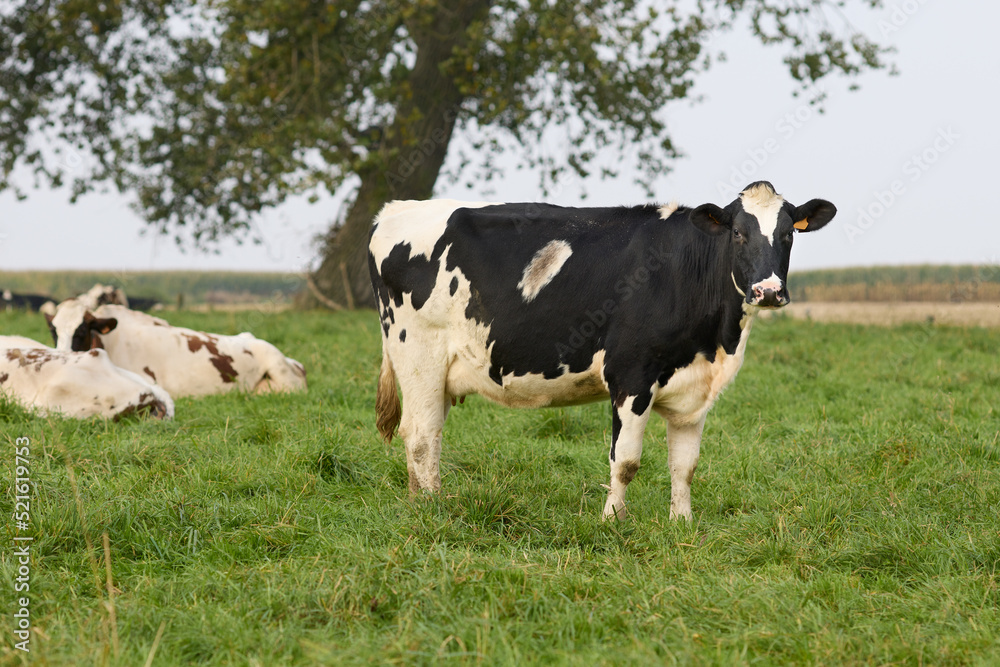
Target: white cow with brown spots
{"points": [[76, 384], [183, 361]]}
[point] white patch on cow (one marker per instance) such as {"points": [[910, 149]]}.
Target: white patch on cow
{"points": [[668, 209], [692, 390], [418, 223], [543, 267], [771, 282], [765, 205]]}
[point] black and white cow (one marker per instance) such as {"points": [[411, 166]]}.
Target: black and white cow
{"points": [[13, 301], [534, 305]]}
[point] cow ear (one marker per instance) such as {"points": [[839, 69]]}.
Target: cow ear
{"points": [[103, 325], [813, 215], [711, 219]]}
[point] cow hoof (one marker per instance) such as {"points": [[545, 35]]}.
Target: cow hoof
{"points": [[614, 511], [677, 516]]}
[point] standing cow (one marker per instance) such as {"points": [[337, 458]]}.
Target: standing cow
{"points": [[534, 305]]}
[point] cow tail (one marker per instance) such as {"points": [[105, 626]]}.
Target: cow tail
{"points": [[387, 406]]}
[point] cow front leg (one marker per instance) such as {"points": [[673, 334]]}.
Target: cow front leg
{"points": [[684, 446], [627, 428]]}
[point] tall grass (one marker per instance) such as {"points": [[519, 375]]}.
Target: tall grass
{"points": [[845, 513]]}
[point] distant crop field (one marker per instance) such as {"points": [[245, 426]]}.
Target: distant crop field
{"points": [[845, 513], [932, 283], [236, 289], [196, 287]]}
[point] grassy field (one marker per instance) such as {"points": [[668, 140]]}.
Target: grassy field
{"points": [[845, 513]]}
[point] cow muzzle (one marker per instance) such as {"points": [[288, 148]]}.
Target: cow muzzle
{"points": [[768, 293]]}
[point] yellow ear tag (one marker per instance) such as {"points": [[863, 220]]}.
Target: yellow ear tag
{"points": [[801, 224]]}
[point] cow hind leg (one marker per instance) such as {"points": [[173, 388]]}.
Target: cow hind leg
{"points": [[684, 445], [626, 450], [421, 429], [421, 421]]}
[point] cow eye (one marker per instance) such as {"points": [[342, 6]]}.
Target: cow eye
{"points": [[790, 235], [736, 234]]}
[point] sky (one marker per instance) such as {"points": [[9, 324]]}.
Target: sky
{"points": [[905, 159]]}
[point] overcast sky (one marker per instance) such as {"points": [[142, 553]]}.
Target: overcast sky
{"points": [[909, 161]]}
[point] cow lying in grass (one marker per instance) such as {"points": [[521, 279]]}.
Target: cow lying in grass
{"points": [[182, 361], [76, 384], [533, 305]]}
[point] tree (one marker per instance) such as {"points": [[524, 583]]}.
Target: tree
{"points": [[211, 112]]}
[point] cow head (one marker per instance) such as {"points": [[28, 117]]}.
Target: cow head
{"points": [[760, 226], [100, 295], [75, 328]]}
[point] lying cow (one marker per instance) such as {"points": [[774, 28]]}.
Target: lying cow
{"points": [[182, 361], [533, 305], [14, 301], [76, 384]]}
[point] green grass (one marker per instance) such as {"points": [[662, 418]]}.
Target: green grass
{"points": [[845, 513]]}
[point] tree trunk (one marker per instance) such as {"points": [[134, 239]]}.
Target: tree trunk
{"points": [[408, 158]]}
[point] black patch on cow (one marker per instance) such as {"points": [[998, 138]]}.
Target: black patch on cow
{"points": [[26, 301], [616, 429], [402, 336], [3, 377], [81, 338], [381, 293], [409, 275], [641, 402], [453, 287], [150, 373]]}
